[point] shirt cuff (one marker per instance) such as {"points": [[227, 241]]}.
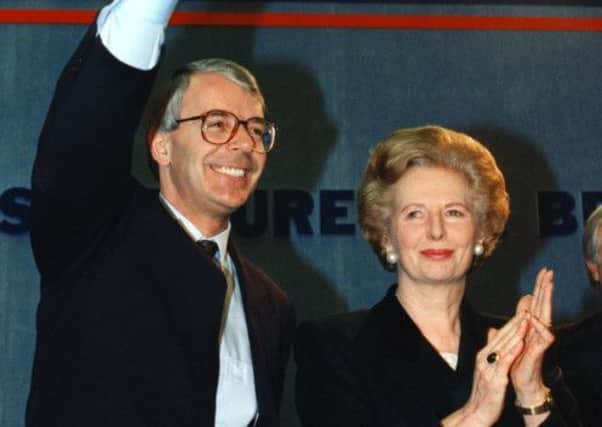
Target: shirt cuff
{"points": [[133, 30]]}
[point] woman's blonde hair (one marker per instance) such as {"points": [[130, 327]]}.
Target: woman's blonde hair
{"points": [[432, 146]]}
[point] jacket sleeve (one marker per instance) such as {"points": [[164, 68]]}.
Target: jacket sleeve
{"points": [[565, 412], [578, 352], [81, 179]]}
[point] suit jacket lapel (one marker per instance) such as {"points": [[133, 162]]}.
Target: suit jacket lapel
{"points": [[195, 295], [409, 362]]}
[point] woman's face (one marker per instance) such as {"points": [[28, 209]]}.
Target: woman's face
{"points": [[432, 227]]}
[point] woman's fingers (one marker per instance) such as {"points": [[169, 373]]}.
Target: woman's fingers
{"points": [[505, 343], [512, 344], [526, 373], [542, 330], [541, 302], [492, 368], [524, 304], [548, 292], [537, 291], [506, 331]]}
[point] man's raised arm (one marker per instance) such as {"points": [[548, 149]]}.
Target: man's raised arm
{"points": [[81, 173]]}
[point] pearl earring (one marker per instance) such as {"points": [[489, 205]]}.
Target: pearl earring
{"points": [[392, 258], [479, 249]]}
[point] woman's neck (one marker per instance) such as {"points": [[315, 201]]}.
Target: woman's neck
{"points": [[435, 309]]}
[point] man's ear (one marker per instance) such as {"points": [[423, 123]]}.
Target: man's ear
{"points": [[160, 148], [592, 267]]}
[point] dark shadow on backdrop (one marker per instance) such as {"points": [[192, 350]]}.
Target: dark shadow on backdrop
{"points": [[306, 135], [494, 285]]}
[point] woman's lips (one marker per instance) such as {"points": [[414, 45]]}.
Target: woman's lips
{"points": [[437, 253]]}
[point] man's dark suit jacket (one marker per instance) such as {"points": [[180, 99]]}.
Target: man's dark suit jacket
{"points": [[374, 368], [130, 309], [580, 357]]}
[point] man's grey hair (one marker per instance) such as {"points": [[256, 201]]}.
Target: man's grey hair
{"points": [[168, 108], [590, 236]]}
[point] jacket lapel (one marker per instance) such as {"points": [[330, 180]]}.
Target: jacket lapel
{"points": [[194, 295], [409, 366]]}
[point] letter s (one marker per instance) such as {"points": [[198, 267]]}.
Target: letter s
{"points": [[15, 203]]}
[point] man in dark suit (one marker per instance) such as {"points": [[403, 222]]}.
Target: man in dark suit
{"points": [[139, 324], [580, 345]]}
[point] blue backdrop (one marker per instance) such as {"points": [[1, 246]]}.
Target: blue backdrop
{"points": [[532, 96]]}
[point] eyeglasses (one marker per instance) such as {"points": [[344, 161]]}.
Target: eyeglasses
{"points": [[219, 127]]}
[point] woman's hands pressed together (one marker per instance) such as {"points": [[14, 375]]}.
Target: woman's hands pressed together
{"points": [[526, 372], [490, 381], [513, 353]]}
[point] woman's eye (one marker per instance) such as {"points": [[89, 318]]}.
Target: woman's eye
{"points": [[455, 213], [414, 214]]}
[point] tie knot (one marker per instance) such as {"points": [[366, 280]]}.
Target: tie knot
{"points": [[208, 246]]}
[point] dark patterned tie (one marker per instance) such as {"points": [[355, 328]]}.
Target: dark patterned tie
{"points": [[210, 248]]}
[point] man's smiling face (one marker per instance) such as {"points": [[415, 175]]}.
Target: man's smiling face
{"points": [[204, 181]]}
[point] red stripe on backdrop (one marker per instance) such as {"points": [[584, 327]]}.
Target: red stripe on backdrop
{"points": [[324, 20], [46, 16]]}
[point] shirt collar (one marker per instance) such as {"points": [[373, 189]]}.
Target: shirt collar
{"points": [[221, 238]]}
